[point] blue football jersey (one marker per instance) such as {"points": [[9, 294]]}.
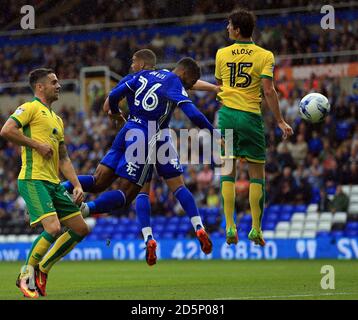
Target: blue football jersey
{"points": [[156, 94]]}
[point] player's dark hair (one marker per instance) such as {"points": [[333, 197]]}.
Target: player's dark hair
{"points": [[148, 56], [244, 20], [38, 74], [190, 66]]}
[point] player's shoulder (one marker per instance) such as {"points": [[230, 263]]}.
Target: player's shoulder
{"points": [[34, 105], [262, 50]]}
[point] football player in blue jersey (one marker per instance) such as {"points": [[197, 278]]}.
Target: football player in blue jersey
{"points": [[171, 171]]}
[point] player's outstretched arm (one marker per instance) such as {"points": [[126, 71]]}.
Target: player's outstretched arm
{"points": [[69, 173], [196, 116], [202, 85], [10, 131], [273, 103]]}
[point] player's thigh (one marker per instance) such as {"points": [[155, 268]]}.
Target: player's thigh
{"points": [[256, 170], [77, 224], [104, 176], [38, 200], [63, 203], [251, 137]]}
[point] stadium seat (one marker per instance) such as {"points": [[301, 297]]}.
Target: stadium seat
{"points": [[351, 226], [313, 207], [273, 217], [293, 234], [354, 189], [323, 234], [92, 237], [324, 226], [269, 234], [281, 234], [309, 234], [340, 217], [11, 238], [275, 208], [283, 226], [2, 238], [312, 217], [288, 208], [353, 208], [346, 189], [246, 217], [337, 233], [310, 225], [326, 216], [268, 226], [301, 208], [245, 226], [351, 233], [286, 216], [353, 199], [297, 225], [298, 216]]}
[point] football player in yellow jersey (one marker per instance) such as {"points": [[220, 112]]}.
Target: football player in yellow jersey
{"points": [[241, 69], [40, 132]]}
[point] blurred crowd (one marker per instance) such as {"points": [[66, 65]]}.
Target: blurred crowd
{"points": [[68, 57], [85, 12], [309, 167]]}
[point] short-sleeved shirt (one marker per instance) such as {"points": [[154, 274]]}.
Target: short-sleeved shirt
{"points": [[40, 123], [240, 67]]}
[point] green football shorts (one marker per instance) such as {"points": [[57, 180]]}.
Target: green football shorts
{"points": [[247, 138], [45, 198]]}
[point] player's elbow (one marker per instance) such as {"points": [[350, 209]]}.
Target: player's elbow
{"points": [[269, 92], [4, 132]]}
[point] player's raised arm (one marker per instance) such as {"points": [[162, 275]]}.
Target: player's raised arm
{"points": [[10, 131], [273, 103]]}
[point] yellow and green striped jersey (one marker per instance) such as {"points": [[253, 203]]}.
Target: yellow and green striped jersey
{"points": [[240, 67], [40, 123]]}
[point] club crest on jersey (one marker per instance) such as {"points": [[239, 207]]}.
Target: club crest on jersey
{"points": [[132, 169], [19, 111]]}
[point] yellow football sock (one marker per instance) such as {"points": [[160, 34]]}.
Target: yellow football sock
{"points": [[39, 248], [228, 198], [257, 200], [62, 246]]}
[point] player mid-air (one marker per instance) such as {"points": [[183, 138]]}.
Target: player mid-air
{"points": [[241, 68], [171, 170]]}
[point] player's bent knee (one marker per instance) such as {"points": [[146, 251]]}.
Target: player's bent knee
{"points": [[82, 230], [54, 229]]}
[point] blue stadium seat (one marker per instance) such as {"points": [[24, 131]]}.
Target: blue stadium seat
{"points": [[337, 233], [274, 208], [331, 190], [118, 236], [287, 208], [211, 220], [285, 216], [323, 234], [351, 226], [246, 217], [268, 226], [167, 235], [300, 208], [92, 237], [271, 217], [245, 226], [184, 227], [351, 233]]}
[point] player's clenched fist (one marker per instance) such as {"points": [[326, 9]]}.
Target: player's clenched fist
{"points": [[45, 150]]}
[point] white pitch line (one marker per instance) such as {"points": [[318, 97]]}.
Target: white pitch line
{"points": [[287, 296]]}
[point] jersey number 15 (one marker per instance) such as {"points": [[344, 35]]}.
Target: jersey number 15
{"points": [[238, 68]]}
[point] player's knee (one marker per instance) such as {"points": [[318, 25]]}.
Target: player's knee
{"points": [[54, 229], [83, 230]]}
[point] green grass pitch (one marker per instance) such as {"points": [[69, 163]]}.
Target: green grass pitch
{"points": [[190, 280]]}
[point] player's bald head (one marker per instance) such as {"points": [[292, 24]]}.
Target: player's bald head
{"points": [[147, 56]]}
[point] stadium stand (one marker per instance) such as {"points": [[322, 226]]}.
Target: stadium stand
{"points": [[307, 170]]}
